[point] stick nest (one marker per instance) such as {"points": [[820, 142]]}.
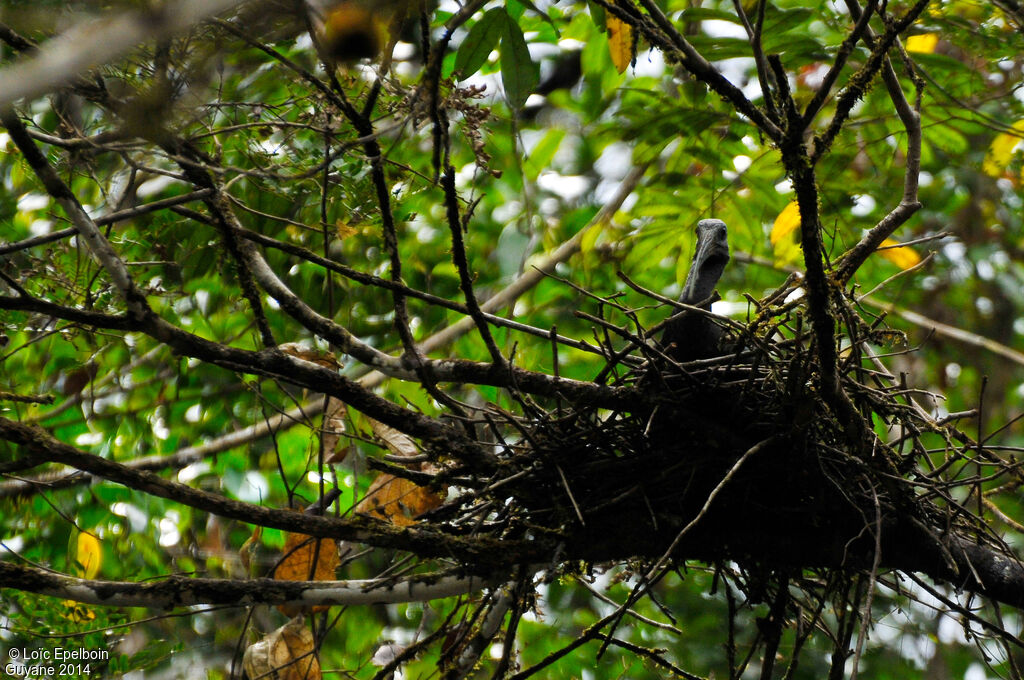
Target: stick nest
{"points": [[739, 457]]}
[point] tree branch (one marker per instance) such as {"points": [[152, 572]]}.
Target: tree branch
{"points": [[424, 540], [97, 42], [84, 225], [181, 591], [660, 32]]}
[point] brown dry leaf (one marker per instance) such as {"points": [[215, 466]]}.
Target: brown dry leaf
{"points": [[76, 380], [299, 552], [620, 43], [397, 500], [297, 564], [311, 354], [288, 653], [333, 428], [397, 442], [249, 549]]}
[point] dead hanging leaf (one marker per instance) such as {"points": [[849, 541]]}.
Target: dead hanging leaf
{"points": [[620, 42], [288, 653], [300, 550], [297, 564], [333, 429], [903, 257], [76, 380], [397, 500], [311, 354], [248, 551], [397, 442]]}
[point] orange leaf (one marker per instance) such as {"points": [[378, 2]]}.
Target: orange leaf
{"points": [[396, 500], [299, 552], [344, 229], [297, 564], [903, 257], [620, 42]]}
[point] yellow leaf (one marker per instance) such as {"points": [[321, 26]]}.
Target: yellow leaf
{"points": [[786, 223], [785, 245], [78, 612], [89, 555], [903, 257], [620, 42], [589, 239], [1000, 151], [344, 229], [923, 44]]}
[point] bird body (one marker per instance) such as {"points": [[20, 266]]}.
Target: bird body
{"points": [[689, 335]]}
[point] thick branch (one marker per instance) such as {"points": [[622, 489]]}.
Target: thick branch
{"points": [[182, 591], [424, 541]]}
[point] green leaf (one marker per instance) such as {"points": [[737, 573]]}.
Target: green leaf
{"points": [[519, 73], [781, 20], [541, 154], [482, 38], [536, 10], [596, 13]]}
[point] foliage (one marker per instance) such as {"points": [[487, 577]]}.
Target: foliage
{"points": [[399, 178]]}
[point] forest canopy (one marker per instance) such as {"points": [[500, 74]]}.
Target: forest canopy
{"points": [[379, 339]]}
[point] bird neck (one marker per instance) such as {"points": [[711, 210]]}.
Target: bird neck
{"points": [[701, 282]]}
